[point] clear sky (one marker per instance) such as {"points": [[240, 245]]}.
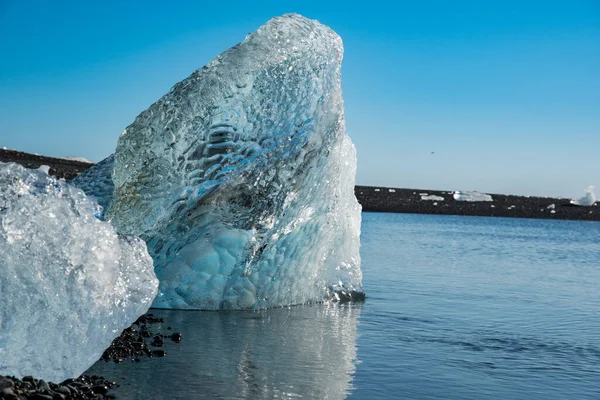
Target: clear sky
{"points": [[506, 94]]}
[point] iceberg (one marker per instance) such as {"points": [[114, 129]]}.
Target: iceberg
{"points": [[68, 283], [241, 178], [471, 196], [588, 199]]}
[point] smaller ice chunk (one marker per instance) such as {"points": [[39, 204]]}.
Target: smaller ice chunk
{"points": [[471, 196], [588, 199], [68, 283], [551, 206], [432, 197]]}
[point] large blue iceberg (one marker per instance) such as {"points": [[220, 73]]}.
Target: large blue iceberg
{"points": [[69, 284], [241, 178]]}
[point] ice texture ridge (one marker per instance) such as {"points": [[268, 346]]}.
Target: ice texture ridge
{"points": [[241, 178], [68, 283]]}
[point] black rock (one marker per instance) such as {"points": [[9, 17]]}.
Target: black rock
{"points": [[42, 385], [6, 383], [63, 390], [8, 394], [100, 389], [176, 337], [39, 396]]}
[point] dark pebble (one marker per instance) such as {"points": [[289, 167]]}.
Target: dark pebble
{"points": [[176, 337], [137, 345], [134, 341], [39, 396], [8, 394], [42, 385], [100, 389], [63, 390], [158, 353], [82, 388], [5, 383]]}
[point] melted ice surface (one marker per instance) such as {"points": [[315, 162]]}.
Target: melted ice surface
{"points": [[241, 178], [68, 283]]}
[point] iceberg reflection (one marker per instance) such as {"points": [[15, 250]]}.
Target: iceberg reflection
{"points": [[304, 351]]}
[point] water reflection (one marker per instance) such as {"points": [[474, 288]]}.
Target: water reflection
{"points": [[305, 351]]}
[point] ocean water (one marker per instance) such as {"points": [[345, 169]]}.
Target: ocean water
{"points": [[457, 308]]}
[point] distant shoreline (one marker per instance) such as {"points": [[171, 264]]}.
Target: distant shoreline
{"points": [[385, 199], [396, 200], [59, 167]]}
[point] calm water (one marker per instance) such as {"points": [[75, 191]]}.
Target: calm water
{"points": [[457, 308]]}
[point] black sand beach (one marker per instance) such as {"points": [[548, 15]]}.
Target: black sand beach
{"points": [[383, 199], [410, 201], [61, 168]]}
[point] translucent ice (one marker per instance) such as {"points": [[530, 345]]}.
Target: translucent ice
{"points": [[97, 182], [68, 283], [588, 199], [471, 196], [241, 178]]}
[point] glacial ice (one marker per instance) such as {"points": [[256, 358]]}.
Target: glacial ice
{"points": [[588, 199], [471, 196], [432, 197], [241, 178], [97, 182], [68, 283]]}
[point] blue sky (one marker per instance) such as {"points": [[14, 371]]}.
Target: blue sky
{"points": [[505, 93]]}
